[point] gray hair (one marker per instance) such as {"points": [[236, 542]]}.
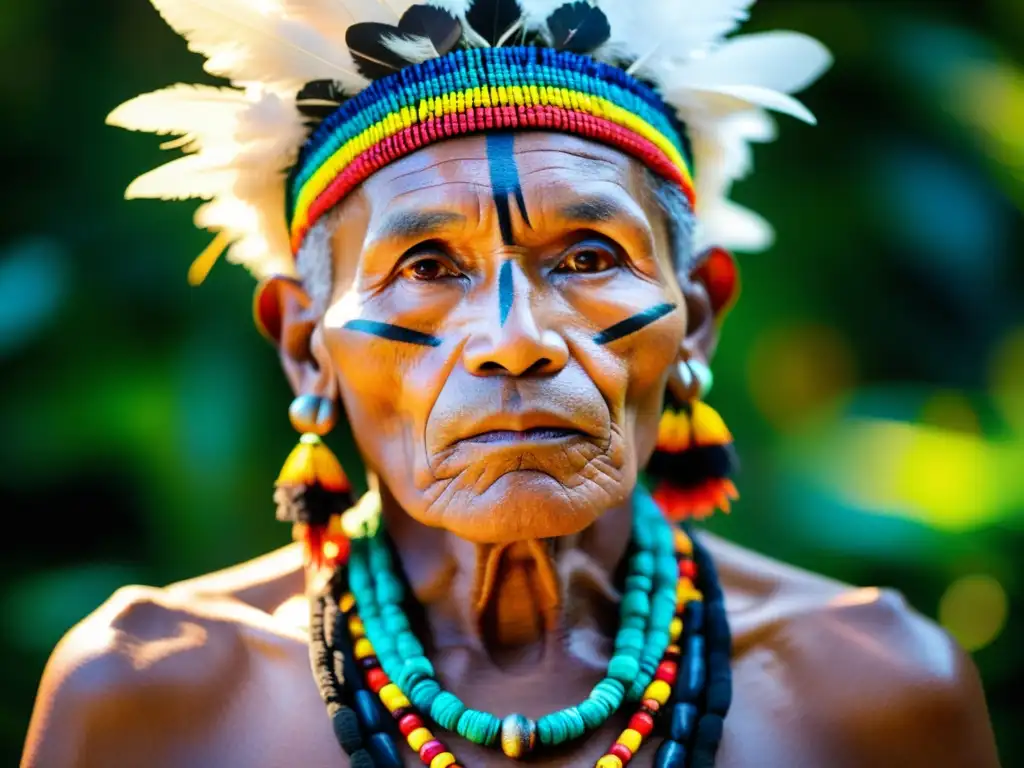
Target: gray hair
{"points": [[315, 265]]}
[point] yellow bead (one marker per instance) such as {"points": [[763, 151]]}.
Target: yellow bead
{"points": [[686, 592], [442, 760], [683, 544], [347, 602], [393, 698], [363, 648], [658, 690], [418, 738], [356, 628], [609, 761], [631, 739], [675, 629]]}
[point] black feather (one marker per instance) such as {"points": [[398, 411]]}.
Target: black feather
{"points": [[442, 29], [578, 27], [320, 90], [492, 18], [374, 59]]}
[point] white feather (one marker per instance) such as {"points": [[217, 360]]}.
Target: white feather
{"points": [[245, 43], [412, 48], [181, 109], [456, 8], [272, 118], [779, 61], [721, 153], [380, 11], [732, 226], [329, 17], [268, 242], [180, 179], [702, 106], [663, 30]]}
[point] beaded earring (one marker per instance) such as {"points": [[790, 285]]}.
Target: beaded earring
{"points": [[694, 457], [312, 490]]}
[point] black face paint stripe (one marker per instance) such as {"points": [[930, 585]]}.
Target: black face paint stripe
{"points": [[392, 332], [633, 324], [505, 294], [521, 202], [505, 182]]}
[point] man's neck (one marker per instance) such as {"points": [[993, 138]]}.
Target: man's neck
{"points": [[511, 600]]}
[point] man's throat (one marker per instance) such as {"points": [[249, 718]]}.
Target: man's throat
{"points": [[518, 595]]}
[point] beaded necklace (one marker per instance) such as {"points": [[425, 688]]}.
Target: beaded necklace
{"points": [[675, 660]]}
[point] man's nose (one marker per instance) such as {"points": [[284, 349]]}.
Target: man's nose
{"points": [[511, 341]]}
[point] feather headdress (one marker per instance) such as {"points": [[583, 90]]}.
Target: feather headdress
{"points": [[291, 63]]}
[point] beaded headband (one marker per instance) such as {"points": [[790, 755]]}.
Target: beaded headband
{"points": [[477, 90], [385, 77]]}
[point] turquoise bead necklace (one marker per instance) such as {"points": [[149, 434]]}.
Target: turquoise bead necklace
{"points": [[646, 612]]}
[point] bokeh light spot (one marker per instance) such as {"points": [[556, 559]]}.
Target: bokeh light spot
{"points": [[974, 610], [945, 479], [950, 410], [796, 372], [990, 97], [1007, 379]]}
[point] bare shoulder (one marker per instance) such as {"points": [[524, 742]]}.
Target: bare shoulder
{"points": [[150, 665], [264, 582], [881, 684]]}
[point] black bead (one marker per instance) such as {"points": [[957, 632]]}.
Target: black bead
{"points": [[693, 616], [368, 710], [369, 662], [671, 754], [690, 681], [718, 623], [399, 713], [719, 696], [346, 729], [705, 745], [384, 751], [360, 759], [681, 726]]}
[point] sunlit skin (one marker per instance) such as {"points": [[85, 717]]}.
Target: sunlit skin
{"points": [[504, 321]]}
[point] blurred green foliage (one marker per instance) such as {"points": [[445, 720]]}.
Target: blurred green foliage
{"points": [[873, 372]]}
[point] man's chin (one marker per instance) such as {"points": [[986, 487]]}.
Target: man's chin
{"points": [[528, 504]]}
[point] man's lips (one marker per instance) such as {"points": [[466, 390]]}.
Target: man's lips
{"points": [[527, 426], [535, 434]]}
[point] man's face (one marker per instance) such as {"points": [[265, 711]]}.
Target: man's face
{"points": [[502, 324]]}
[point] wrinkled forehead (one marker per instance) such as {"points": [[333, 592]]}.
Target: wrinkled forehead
{"points": [[550, 168]]}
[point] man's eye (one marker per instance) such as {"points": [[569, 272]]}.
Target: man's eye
{"points": [[428, 269], [589, 257]]}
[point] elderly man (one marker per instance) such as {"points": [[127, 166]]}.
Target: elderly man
{"points": [[496, 265]]}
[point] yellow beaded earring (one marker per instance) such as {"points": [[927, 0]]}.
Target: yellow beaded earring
{"points": [[694, 457], [312, 490]]}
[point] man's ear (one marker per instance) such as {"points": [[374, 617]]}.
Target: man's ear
{"points": [[716, 270], [285, 314], [709, 292]]}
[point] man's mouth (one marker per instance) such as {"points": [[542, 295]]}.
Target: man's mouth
{"points": [[534, 426], [532, 435]]}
